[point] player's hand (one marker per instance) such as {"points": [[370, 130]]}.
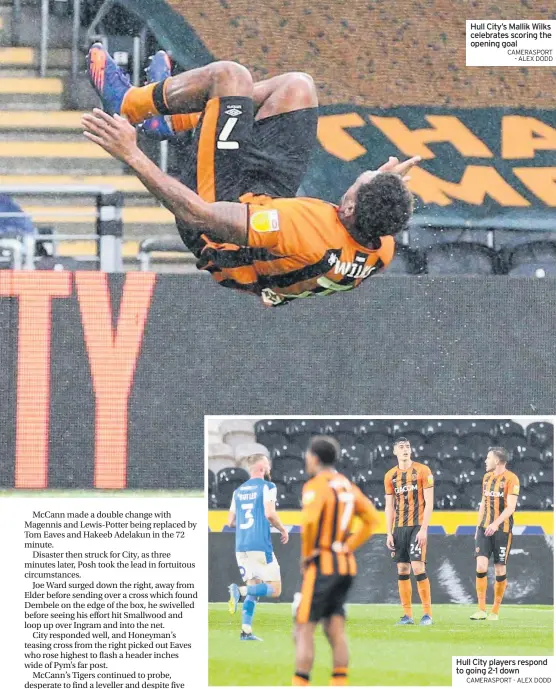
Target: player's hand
{"points": [[114, 134], [491, 529], [422, 537], [284, 537], [390, 542], [394, 165]]}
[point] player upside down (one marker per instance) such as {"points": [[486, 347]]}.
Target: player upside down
{"points": [[251, 147]]}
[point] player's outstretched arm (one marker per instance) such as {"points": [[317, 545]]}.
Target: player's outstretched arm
{"points": [[222, 221]]}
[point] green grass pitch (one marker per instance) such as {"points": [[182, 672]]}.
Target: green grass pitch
{"points": [[381, 653]]}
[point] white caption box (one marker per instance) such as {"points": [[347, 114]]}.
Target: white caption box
{"points": [[502, 670], [510, 43]]}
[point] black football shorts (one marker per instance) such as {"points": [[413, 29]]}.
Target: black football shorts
{"points": [[498, 545], [406, 548]]}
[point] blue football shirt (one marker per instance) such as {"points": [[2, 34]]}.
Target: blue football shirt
{"points": [[252, 527]]}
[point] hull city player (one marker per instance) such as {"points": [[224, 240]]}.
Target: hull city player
{"points": [[251, 148], [252, 511], [409, 504], [330, 502], [493, 536]]}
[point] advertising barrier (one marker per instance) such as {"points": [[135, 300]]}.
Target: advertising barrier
{"points": [[106, 379], [450, 566]]}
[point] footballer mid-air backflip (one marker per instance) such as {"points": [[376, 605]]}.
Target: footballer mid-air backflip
{"points": [[250, 149], [252, 511], [493, 535], [409, 488]]}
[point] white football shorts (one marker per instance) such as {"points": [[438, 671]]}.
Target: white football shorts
{"points": [[253, 565]]}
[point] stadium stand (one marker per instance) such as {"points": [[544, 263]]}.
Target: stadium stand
{"points": [[454, 450], [362, 40]]}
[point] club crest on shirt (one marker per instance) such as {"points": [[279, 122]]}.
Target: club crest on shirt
{"points": [[265, 221]]}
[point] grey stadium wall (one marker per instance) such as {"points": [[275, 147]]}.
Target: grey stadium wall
{"points": [[450, 566], [106, 379]]}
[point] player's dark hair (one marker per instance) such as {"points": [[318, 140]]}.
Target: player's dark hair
{"points": [[400, 440], [501, 452], [327, 449], [383, 206]]}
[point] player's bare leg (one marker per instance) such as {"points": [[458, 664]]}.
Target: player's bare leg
{"points": [[404, 587], [334, 628], [424, 589], [187, 92], [304, 653], [499, 589], [481, 584], [284, 93]]}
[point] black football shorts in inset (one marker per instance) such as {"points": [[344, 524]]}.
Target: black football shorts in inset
{"points": [[327, 597], [498, 545], [406, 548]]}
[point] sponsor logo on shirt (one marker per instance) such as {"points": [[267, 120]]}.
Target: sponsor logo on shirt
{"points": [[494, 493], [405, 489], [265, 221], [430, 479]]}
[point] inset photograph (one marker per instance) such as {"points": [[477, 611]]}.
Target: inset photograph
{"points": [[339, 545]]}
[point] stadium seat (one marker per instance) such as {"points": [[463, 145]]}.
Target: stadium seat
{"points": [[466, 469], [546, 475], [434, 426], [528, 471], [364, 476], [472, 426], [286, 463], [211, 483], [241, 452], [445, 495], [282, 496], [227, 481], [312, 426], [443, 446], [472, 494], [236, 432], [357, 455], [547, 455], [540, 434], [335, 426], [271, 439], [301, 439], [432, 462], [220, 456], [363, 427], [345, 438], [530, 501], [462, 258], [476, 445], [405, 426], [526, 259], [294, 491], [515, 445], [377, 442], [510, 428], [266, 425], [287, 448], [378, 500], [406, 261]]}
